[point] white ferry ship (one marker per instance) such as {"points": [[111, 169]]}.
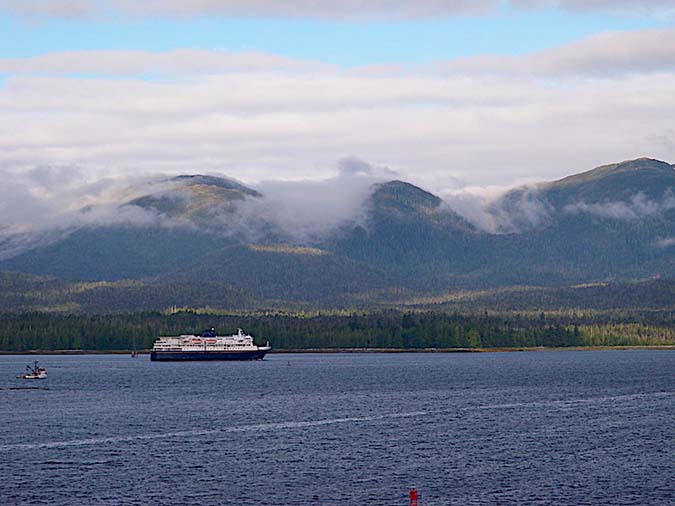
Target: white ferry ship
{"points": [[208, 346]]}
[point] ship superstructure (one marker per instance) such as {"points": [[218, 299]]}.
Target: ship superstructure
{"points": [[208, 346]]}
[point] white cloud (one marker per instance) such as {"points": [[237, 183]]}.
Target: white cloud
{"points": [[49, 198], [45, 204], [476, 204], [638, 207], [257, 117], [49, 8], [343, 9], [604, 54], [490, 209], [601, 55], [599, 5], [253, 126], [176, 62], [306, 210]]}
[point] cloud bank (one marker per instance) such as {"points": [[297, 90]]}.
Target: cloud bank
{"points": [[499, 210], [638, 207], [306, 211], [177, 62], [258, 117], [344, 9], [42, 205], [45, 204], [600, 5], [495, 210], [486, 120], [601, 55]]}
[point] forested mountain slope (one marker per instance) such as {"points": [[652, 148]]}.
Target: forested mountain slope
{"points": [[614, 223]]}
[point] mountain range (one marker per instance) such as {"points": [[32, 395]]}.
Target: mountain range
{"points": [[612, 224]]}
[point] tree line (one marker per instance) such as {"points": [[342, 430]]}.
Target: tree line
{"points": [[379, 329]]}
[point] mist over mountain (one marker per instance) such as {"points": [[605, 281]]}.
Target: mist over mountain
{"points": [[363, 235], [629, 190]]}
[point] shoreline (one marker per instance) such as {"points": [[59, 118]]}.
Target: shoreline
{"points": [[473, 350], [666, 347]]}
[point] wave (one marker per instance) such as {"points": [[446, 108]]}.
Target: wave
{"points": [[315, 423], [205, 432]]}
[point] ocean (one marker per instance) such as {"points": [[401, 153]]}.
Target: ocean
{"points": [[526, 428]]}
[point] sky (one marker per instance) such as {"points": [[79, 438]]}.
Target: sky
{"points": [[444, 93]]}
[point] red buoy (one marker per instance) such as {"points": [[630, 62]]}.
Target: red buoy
{"points": [[413, 496]]}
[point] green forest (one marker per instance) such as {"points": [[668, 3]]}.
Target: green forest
{"points": [[394, 329]]}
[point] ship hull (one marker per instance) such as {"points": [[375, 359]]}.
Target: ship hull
{"points": [[177, 356]]}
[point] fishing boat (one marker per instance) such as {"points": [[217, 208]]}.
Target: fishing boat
{"points": [[35, 372]]}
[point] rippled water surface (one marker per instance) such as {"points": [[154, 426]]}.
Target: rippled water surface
{"points": [[564, 428]]}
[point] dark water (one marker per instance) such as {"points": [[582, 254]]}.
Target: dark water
{"points": [[556, 428]]}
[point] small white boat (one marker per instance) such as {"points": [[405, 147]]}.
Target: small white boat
{"points": [[35, 372]]}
